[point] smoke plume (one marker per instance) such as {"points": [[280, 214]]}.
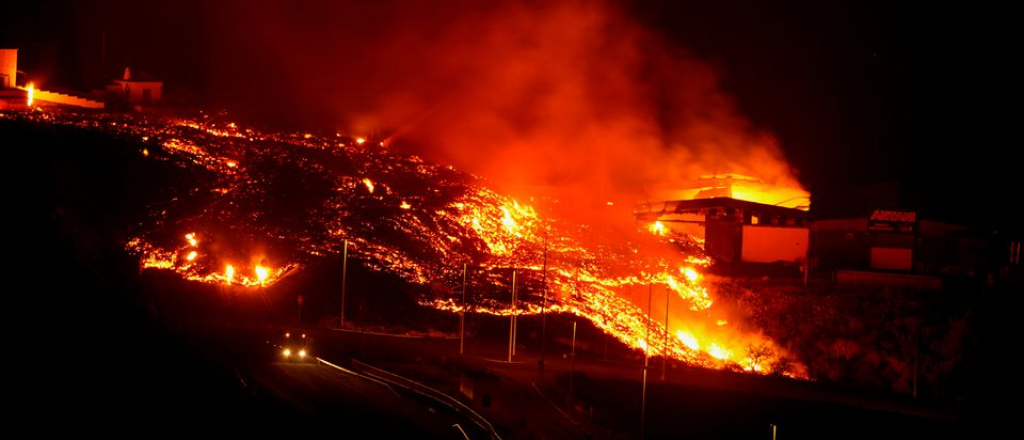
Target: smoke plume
{"points": [[569, 99]]}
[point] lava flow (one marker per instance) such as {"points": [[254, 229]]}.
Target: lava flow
{"points": [[257, 205]]}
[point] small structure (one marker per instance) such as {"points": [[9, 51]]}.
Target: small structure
{"points": [[8, 68], [480, 387], [11, 97], [135, 88]]}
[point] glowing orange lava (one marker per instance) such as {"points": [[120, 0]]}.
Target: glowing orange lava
{"points": [[493, 233]]}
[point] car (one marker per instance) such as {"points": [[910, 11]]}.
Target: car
{"points": [[294, 346]]}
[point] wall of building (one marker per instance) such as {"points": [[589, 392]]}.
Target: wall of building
{"points": [[767, 244], [60, 98], [8, 68], [135, 91]]}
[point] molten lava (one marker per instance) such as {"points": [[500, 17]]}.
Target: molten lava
{"points": [[418, 221]]}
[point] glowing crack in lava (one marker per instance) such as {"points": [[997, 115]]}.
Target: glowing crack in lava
{"points": [[254, 206]]}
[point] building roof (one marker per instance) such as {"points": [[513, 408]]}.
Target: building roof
{"points": [[689, 206]]}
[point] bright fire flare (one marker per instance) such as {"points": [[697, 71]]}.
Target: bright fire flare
{"points": [[229, 274], [360, 141], [657, 228], [405, 205], [718, 352], [691, 274], [688, 340], [191, 238], [261, 274], [369, 184], [31, 89], [191, 256]]}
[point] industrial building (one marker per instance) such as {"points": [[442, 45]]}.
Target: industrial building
{"points": [[730, 213], [897, 247], [11, 97], [135, 88]]}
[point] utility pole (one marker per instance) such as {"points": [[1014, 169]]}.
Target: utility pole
{"points": [[462, 316], [572, 355], [512, 321], [647, 349], [544, 307], [344, 276], [664, 351]]}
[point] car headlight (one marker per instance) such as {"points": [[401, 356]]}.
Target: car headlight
{"points": [[302, 353]]}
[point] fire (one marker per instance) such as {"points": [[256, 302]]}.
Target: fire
{"points": [[191, 238], [360, 141], [369, 184], [229, 274], [31, 89], [261, 274], [405, 205], [688, 340], [740, 187], [718, 352], [191, 256], [657, 228], [690, 274]]}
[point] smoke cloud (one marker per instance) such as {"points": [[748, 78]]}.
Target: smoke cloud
{"points": [[569, 99]]}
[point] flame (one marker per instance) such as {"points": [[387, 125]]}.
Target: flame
{"points": [[688, 340], [191, 256], [405, 205], [191, 238], [369, 184], [31, 89], [657, 228], [261, 274], [229, 274], [690, 274], [740, 187], [360, 140], [718, 352]]}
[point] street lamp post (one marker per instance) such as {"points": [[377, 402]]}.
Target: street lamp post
{"points": [[664, 350], [344, 276], [512, 321], [462, 316], [544, 307], [572, 354], [647, 349]]}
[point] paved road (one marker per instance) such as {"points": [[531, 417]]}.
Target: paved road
{"points": [[353, 407]]}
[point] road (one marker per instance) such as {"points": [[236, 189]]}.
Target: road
{"points": [[334, 401]]}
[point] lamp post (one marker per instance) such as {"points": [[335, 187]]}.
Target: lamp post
{"points": [[544, 308], [462, 316], [647, 349], [572, 354], [344, 276], [512, 321], [664, 350]]}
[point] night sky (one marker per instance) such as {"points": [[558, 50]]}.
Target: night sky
{"points": [[875, 105]]}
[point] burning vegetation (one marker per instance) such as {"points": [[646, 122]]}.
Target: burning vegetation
{"points": [[264, 204]]}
